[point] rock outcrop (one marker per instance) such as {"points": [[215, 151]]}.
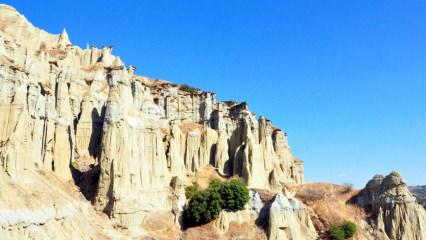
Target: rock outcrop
{"points": [[420, 193], [394, 209], [70, 110], [281, 215], [40, 206], [289, 219]]}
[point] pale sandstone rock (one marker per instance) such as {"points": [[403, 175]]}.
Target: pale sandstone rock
{"points": [[285, 217], [289, 219], [39, 206], [63, 108], [222, 161], [226, 218], [395, 210]]}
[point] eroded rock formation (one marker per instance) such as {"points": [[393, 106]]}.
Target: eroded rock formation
{"points": [[289, 219], [40, 206], [70, 115], [282, 216], [394, 209], [73, 110]]}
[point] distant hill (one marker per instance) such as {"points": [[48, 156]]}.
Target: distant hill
{"points": [[420, 192]]}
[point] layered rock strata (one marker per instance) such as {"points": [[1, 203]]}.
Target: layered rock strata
{"points": [[394, 209], [69, 110]]}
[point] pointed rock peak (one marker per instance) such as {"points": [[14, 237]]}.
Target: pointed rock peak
{"points": [[64, 32], [394, 179], [117, 62], [374, 183], [63, 38], [131, 70]]}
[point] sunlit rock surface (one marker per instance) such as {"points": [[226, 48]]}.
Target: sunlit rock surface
{"points": [[79, 112], [394, 209]]}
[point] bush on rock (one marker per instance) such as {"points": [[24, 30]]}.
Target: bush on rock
{"points": [[205, 205], [234, 194]]}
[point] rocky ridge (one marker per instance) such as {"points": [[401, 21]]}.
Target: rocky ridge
{"points": [[132, 143]]}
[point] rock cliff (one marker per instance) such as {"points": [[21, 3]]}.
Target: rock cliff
{"points": [[129, 141], [394, 209], [90, 150]]}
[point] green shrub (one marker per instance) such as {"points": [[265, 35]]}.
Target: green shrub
{"points": [[215, 185], [190, 191], [205, 205], [189, 89], [336, 232], [342, 231], [234, 194], [349, 228]]}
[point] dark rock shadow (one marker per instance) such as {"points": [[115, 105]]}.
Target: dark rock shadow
{"points": [[96, 136], [87, 181], [262, 221]]}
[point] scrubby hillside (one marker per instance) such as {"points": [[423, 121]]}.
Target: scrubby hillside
{"points": [[333, 204]]}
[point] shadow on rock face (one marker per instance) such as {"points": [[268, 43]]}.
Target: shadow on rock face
{"points": [[87, 181]]}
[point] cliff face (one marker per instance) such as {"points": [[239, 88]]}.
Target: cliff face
{"points": [[74, 111], [79, 116], [394, 209]]}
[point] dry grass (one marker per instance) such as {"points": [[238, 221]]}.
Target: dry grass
{"points": [[329, 204], [204, 176], [265, 195], [94, 67], [57, 53], [161, 226], [190, 126], [247, 230], [203, 232], [151, 82]]}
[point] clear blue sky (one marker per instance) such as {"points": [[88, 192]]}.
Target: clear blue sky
{"points": [[345, 79]]}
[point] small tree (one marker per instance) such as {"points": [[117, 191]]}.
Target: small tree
{"points": [[203, 207], [347, 187], [190, 191], [234, 194], [215, 185]]}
